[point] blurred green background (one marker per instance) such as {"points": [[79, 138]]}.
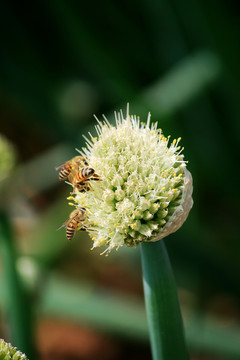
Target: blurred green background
{"points": [[63, 61]]}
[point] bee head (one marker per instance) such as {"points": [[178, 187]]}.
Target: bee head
{"points": [[91, 171]]}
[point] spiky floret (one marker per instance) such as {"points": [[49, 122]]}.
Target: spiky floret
{"points": [[145, 192], [9, 352]]}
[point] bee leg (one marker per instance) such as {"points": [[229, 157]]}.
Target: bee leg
{"points": [[84, 190], [85, 228], [96, 177]]}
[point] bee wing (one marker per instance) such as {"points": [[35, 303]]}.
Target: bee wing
{"points": [[71, 177], [57, 168], [63, 225]]}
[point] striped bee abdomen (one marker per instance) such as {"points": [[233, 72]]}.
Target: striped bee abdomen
{"points": [[70, 230], [84, 174]]}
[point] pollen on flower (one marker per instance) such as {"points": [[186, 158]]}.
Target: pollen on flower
{"points": [[145, 192], [71, 204], [71, 198]]}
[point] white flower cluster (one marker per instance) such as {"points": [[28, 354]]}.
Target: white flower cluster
{"points": [[9, 352], [145, 192]]}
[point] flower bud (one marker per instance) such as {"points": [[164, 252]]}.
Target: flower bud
{"points": [[7, 158]]}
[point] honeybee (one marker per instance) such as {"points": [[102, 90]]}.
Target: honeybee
{"points": [[75, 222], [79, 178], [70, 166]]}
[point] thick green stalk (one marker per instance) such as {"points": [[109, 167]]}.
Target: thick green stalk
{"points": [[17, 301], [162, 305]]}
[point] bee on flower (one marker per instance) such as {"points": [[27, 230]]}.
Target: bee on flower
{"points": [[77, 172], [75, 222], [145, 192]]}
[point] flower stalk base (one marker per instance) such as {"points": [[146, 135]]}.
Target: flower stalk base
{"points": [[162, 305]]}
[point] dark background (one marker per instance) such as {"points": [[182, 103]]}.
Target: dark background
{"points": [[63, 61]]}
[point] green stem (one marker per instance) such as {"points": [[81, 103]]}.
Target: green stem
{"points": [[162, 305], [17, 301]]}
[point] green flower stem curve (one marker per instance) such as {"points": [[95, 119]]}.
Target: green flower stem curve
{"points": [[162, 305]]}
